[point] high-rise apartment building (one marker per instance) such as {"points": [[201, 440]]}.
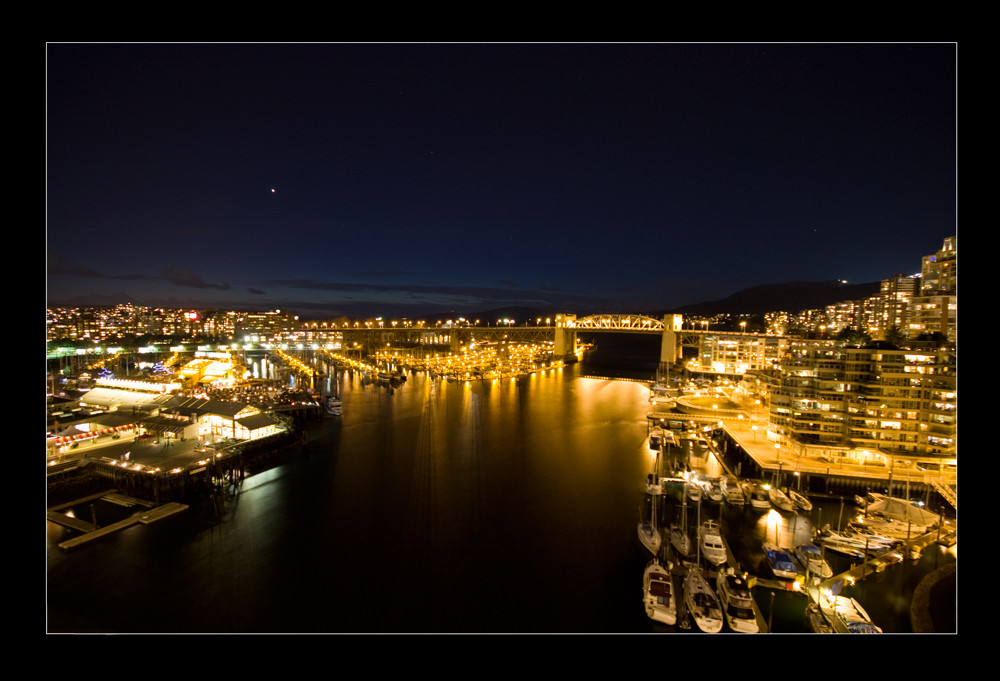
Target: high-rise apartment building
{"points": [[935, 307], [869, 403], [893, 300]]}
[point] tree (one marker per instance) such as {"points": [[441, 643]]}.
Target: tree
{"points": [[853, 337], [895, 336]]}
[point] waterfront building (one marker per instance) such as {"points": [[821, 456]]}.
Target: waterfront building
{"points": [[736, 353], [153, 409], [272, 325], [873, 404]]}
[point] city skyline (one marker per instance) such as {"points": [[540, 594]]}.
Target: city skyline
{"points": [[333, 179]]}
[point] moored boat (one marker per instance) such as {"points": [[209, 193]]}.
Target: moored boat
{"points": [[654, 484], [333, 405], [756, 495], [733, 491], [737, 602], [649, 535], [711, 542], [658, 595], [863, 532], [811, 558], [779, 561], [897, 518], [846, 615], [713, 489], [656, 438], [702, 602], [850, 544], [817, 621], [800, 500], [693, 490], [679, 537], [779, 499]]}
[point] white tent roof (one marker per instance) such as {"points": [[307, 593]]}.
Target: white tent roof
{"points": [[901, 509]]}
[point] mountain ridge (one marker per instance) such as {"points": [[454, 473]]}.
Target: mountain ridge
{"points": [[792, 296]]}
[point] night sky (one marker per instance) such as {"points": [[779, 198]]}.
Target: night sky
{"points": [[411, 179]]}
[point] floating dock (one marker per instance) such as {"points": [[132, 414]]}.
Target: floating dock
{"points": [[90, 531]]}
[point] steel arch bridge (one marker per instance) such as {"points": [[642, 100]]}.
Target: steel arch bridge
{"points": [[635, 323]]}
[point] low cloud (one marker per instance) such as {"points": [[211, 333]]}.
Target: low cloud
{"points": [[185, 276]]}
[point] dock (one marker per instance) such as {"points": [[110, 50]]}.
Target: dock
{"points": [[879, 562], [90, 532]]}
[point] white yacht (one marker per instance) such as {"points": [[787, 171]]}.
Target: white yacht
{"points": [[693, 490], [737, 602], [733, 491], [711, 542], [713, 489], [756, 495], [658, 596]]}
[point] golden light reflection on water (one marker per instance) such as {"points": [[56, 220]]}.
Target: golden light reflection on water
{"points": [[785, 530]]}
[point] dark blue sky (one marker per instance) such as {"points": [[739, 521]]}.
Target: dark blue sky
{"points": [[406, 179]]}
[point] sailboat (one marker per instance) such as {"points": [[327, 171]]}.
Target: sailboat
{"points": [[779, 499], [654, 483], [649, 536], [800, 500], [679, 537], [658, 596], [702, 602]]}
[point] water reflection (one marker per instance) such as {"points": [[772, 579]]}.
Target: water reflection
{"points": [[483, 506]]}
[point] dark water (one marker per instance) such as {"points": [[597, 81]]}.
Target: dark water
{"points": [[444, 507]]}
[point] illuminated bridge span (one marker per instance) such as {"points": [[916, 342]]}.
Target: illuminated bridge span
{"points": [[620, 322], [563, 332], [567, 326]]}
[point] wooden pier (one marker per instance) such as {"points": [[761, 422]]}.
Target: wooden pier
{"points": [[91, 531]]}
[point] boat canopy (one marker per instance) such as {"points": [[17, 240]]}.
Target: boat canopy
{"points": [[659, 586], [902, 510]]}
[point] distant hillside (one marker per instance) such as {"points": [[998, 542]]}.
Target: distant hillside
{"points": [[790, 297]]}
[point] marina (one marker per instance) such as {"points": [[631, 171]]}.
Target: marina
{"points": [[384, 464], [699, 460]]}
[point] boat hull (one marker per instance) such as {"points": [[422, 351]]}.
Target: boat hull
{"points": [[702, 602], [659, 597], [650, 537], [737, 604]]}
